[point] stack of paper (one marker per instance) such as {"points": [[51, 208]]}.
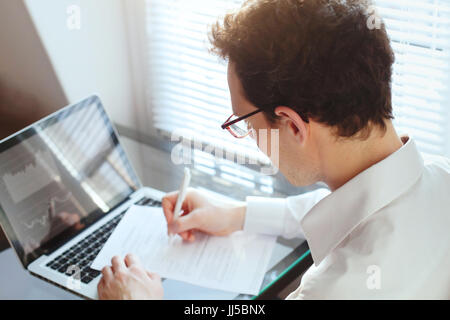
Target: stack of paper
{"points": [[235, 263]]}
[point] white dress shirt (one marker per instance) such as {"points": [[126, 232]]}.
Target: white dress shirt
{"points": [[385, 234]]}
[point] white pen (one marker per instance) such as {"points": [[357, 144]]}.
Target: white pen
{"points": [[181, 195]]}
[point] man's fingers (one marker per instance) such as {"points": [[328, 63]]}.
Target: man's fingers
{"points": [[153, 276], [107, 274], [118, 264], [187, 235], [132, 259], [184, 223], [100, 288], [168, 204], [184, 235]]}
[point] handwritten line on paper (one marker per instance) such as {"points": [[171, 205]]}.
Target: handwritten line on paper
{"points": [[235, 263]]}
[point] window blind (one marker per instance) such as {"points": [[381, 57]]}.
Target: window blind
{"points": [[188, 86], [420, 34]]}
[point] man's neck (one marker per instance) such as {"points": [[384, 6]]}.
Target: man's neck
{"points": [[346, 159]]}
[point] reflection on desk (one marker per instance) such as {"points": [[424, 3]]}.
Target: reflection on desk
{"points": [[156, 170], [17, 283]]}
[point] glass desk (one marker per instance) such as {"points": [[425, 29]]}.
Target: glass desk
{"points": [[151, 159], [152, 162]]}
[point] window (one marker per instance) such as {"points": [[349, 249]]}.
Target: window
{"points": [[420, 34], [189, 90], [188, 87]]}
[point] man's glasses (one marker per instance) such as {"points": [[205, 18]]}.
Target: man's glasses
{"points": [[238, 128]]}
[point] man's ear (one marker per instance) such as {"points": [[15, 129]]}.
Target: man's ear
{"points": [[292, 122]]}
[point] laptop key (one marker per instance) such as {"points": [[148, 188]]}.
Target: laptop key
{"points": [[62, 269], [94, 273], [80, 256], [70, 271], [140, 202], [85, 263], [88, 250], [73, 262], [55, 266], [86, 279], [63, 260]]}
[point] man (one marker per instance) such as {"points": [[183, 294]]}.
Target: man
{"points": [[320, 76]]}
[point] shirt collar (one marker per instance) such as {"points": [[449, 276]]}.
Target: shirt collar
{"points": [[336, 215]]}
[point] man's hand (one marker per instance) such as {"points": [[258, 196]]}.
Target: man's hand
{"points": [[128, 280], [202, 213]]}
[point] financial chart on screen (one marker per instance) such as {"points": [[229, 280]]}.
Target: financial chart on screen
{"points": [[60, 173]]}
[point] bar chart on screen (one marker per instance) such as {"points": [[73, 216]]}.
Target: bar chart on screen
{"points": [[29, 175]]}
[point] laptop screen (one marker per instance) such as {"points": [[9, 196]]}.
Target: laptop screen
{"points": [[59, 176]]}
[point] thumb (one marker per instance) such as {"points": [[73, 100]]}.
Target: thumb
{"points": [[153, 276], [184, 223]]}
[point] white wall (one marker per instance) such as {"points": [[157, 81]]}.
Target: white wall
{"points": [[135, 12], [92, 59]]}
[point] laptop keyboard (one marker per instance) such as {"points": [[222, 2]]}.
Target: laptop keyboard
{"points": [[83, 253]]}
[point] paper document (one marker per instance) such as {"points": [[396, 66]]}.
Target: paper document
{"points": [[235, 263]]}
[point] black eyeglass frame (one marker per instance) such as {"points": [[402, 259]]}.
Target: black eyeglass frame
{"points": [[229, 123], [226, 125]]}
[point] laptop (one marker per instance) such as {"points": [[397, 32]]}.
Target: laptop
{"points": [[65, 183]]}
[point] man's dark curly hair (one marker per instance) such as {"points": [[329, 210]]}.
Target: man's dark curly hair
{"points": [[319, 57]]}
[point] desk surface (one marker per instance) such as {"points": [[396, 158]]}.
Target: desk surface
{"points": [[156, 170]]}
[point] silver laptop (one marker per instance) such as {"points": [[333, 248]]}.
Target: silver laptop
{"points": [[65, 183]]}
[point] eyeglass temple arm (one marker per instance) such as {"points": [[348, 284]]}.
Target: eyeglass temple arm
{"points": [[229, 123]]}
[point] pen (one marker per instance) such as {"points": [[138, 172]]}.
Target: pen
{"points": [[182, 193]]}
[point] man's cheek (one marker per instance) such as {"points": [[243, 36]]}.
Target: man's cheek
{"points": [[253, 134]]}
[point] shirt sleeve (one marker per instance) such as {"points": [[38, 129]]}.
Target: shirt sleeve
{"points": [[280, 216]]}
